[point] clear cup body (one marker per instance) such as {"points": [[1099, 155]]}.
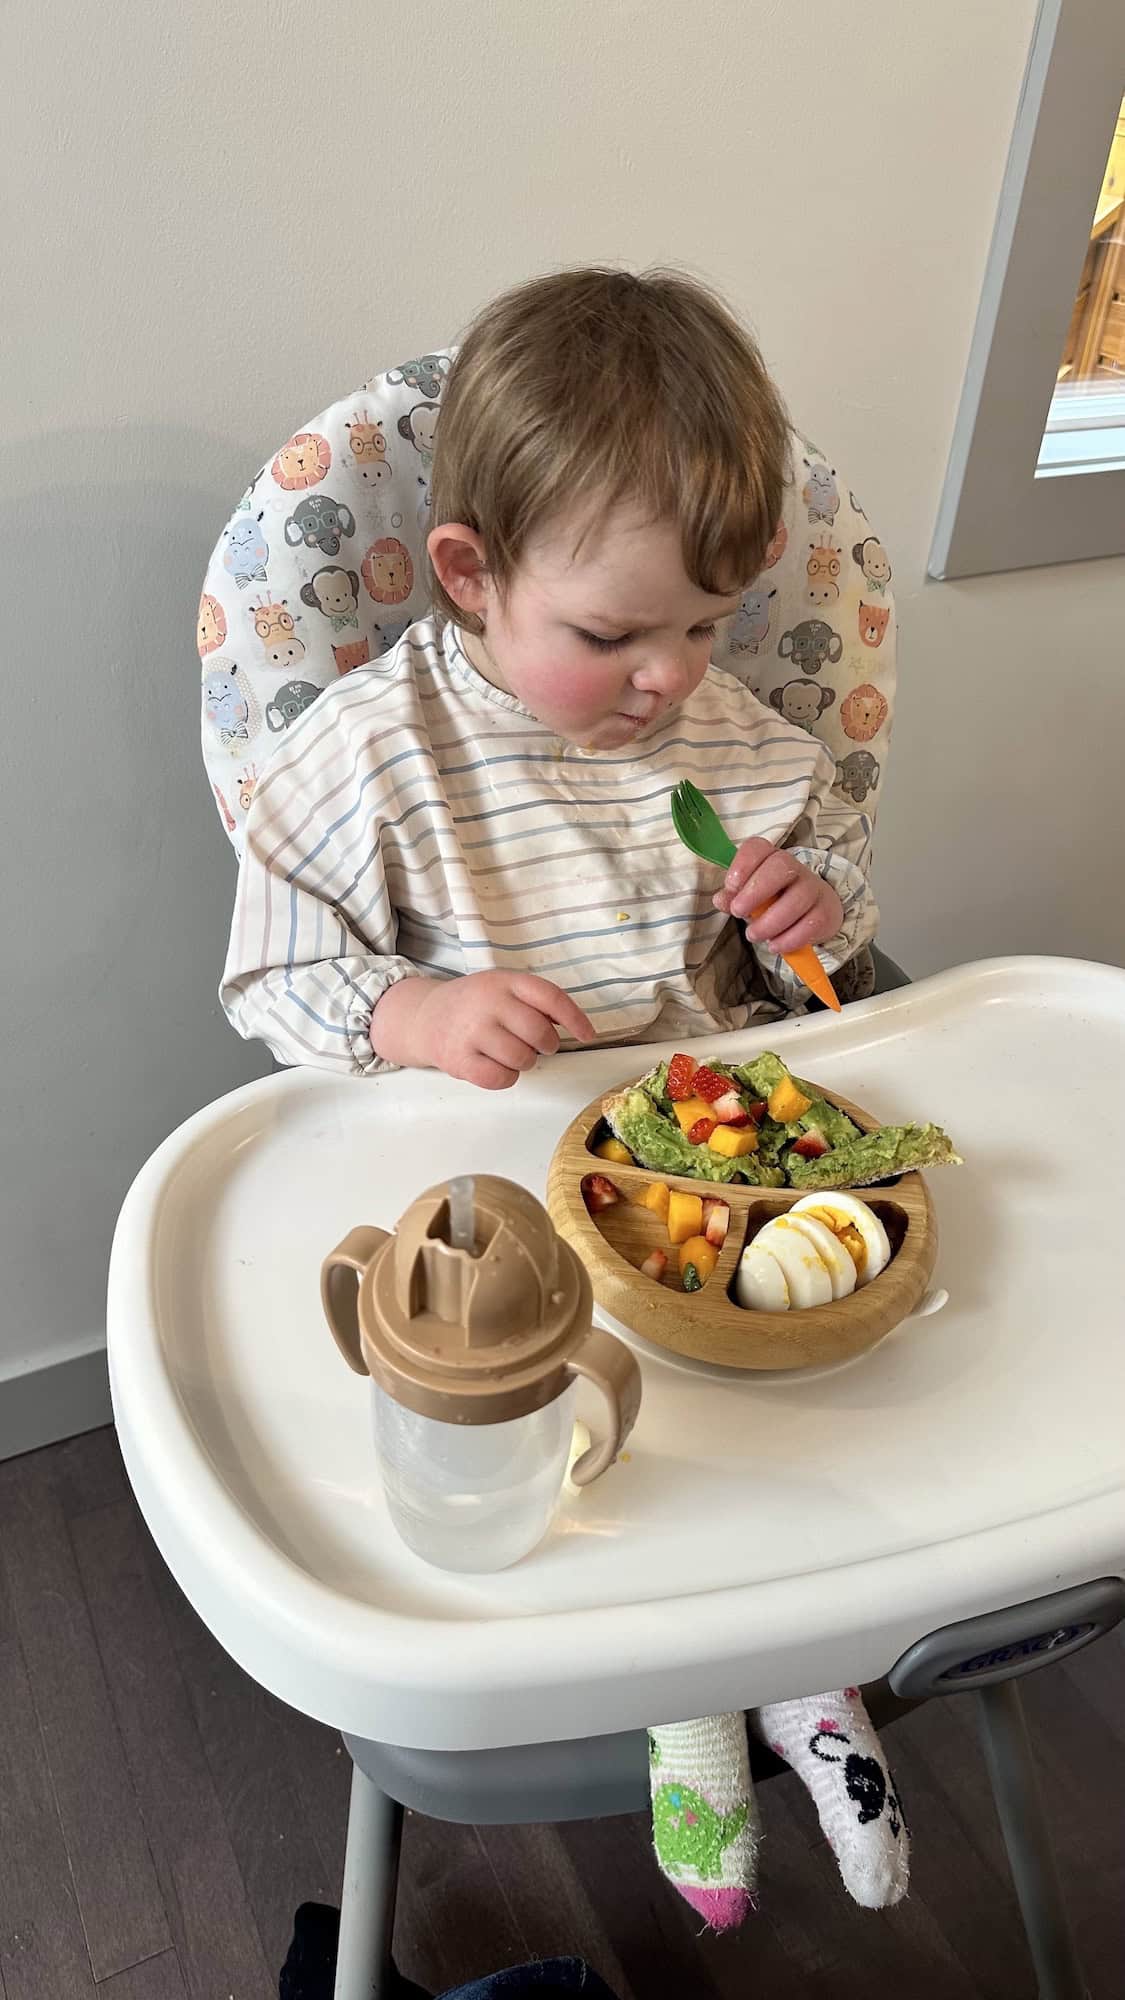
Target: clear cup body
{"points": [[472, 1497]]}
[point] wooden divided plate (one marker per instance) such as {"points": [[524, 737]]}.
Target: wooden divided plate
{"points": [[709, 1325]]}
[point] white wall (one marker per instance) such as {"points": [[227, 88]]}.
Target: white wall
{"points": [[220, 218]]}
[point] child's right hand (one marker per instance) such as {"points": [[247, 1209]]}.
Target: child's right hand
{"points": [[485, 1027]]}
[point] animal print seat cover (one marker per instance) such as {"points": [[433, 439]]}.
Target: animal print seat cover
{"points": [[322, 566]]}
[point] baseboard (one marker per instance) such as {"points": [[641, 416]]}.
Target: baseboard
{"points": [[55, 1399]]}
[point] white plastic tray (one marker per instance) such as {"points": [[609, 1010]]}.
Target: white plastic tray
{"points": [[764, 1538]]}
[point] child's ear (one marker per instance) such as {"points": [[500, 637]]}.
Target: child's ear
{"points": [[457, 555]]}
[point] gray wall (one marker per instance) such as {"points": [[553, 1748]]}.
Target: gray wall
{"points": [[215, 223]]}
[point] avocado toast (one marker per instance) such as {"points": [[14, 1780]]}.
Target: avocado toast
{"points": [[758, 1123]]}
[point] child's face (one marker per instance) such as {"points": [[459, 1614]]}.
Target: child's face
{"points": [[600, 644]]}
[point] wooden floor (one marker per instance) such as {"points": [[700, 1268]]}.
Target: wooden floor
{"points": [[161, 1817]]}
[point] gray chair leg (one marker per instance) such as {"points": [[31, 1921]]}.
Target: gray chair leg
{"points": [[367, 1910], [1015, 1787]]}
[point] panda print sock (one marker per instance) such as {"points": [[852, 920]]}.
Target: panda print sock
{"points": [[831, 1744], [704, 1819]]}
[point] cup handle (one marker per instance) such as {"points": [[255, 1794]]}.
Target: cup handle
{"points": [[340, 1276], [607, 1363]]}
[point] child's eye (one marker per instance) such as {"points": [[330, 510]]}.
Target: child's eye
{"points": [[703, 632], [604, 645]]}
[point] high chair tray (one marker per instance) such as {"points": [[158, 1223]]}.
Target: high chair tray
{"points": [[766, 1535]]}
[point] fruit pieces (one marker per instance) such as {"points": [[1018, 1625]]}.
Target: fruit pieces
{"points": [[656, 1197], [655, 1265], [709, 1084], [729, 1109], [598, 1192], [701, 1131], [811, 1146], [690, 1110], [733, 1142], [685, 1216], [786, 1103], [697, 1260], [612, 1149], [681, 1070], [716, 1221]]}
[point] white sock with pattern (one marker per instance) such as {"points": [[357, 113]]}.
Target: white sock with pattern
{"points": [[831, 1743], [704, 1817]]}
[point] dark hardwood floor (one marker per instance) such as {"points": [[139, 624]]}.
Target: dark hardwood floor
{"points": [[161, 1817]]}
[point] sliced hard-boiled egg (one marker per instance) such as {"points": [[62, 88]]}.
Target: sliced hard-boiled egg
{"points": [[839, 1265], [805, 1272], [760, 1284], [855, 1226]]}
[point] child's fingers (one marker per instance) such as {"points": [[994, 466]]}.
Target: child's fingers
{"points": [[750, 857], [784, 912], [768, 882], [555, 1004], [531, 1026], [500, 1045], [810, 929]]}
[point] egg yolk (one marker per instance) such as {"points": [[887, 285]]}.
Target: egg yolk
{"points": [[845, 1233]]}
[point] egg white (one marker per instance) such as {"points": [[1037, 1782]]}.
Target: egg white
{"points": [[805, 1272]]}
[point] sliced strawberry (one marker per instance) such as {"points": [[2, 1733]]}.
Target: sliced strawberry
{"points": [[681, 1070], [737, 1124], [598, 1192], [728, 1109], [811, 1146], [708, 1084], [716, 1221], [655, 1265], [701, 1131], [758, 1110]]}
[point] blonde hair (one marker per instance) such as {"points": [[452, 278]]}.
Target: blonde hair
{"points": [[589, 388]]}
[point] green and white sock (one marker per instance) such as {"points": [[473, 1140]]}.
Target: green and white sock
{"points": [[704, 1815]]}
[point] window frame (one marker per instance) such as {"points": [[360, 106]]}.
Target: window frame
{"points": [[995, 512]]}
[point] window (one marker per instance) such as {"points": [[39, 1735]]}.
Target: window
{"points": [[1037, 462], [1086, 423]]}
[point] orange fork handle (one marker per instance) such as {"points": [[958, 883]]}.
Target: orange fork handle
{"points": [[808, 969]]}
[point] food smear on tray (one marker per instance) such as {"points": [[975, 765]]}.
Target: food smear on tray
{"points": [[825, 1247], [757, 1123]]}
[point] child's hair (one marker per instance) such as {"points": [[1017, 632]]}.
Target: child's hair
{"points": [[581, 390]]}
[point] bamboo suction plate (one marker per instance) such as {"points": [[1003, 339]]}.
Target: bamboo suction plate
{"points": [[709, 1325]]}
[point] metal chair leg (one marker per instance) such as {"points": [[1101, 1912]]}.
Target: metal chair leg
{"points": [[1015, 1787], [367, 1911]]}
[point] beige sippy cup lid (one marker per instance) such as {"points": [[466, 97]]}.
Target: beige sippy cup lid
{"points": [[474, 1337]]}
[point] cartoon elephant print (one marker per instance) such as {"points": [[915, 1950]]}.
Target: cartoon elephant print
{"points": [[426, 374], [857, 774], [289, 702], [810, 644], [319, 522]]}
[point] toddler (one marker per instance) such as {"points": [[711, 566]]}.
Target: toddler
{"points": [[462, 856]]}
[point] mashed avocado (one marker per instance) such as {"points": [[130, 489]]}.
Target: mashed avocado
{"points": [[643, 1119], [658, 1143]]}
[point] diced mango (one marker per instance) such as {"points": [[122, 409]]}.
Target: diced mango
{"points": [[612, 1149], [699, 1257], [787, 1103], [685, 1216], [657, 1198], [689, 1110], [733, 1141]]}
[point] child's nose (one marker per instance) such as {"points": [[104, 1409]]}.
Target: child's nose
{"points": [[667, 674]]}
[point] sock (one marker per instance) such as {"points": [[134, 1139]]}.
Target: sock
{"points": [[831, 1744], [704, 1818]]}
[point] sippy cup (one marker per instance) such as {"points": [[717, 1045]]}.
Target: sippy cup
{"points": [[474, 1320]]}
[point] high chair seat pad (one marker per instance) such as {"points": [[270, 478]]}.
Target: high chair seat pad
{"points": [[323, 564], [761, 1538]]}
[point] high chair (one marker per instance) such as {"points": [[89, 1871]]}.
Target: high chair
{"points": [[947, 1514]]}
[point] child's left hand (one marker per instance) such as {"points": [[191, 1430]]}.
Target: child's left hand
{"points": [[803, 908]]}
